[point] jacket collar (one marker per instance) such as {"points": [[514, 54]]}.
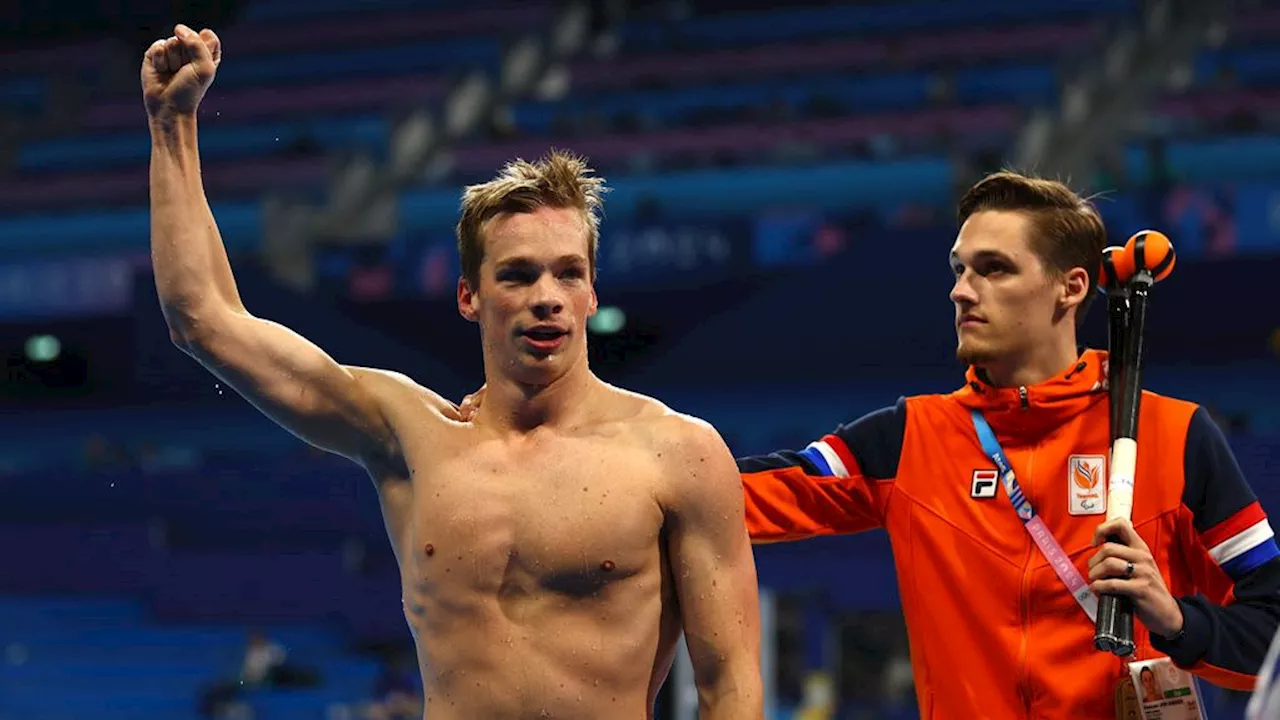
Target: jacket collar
{"points": [[1032, 410]]}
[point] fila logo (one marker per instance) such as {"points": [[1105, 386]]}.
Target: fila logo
{"points": [[984, 484]]}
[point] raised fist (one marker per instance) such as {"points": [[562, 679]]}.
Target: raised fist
{"points": [[176, 72]]}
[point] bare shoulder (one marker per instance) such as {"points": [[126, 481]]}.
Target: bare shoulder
{"points": [[693, 455], [398, 393], [663, 426]]}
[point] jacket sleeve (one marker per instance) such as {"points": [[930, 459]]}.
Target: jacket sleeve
{"points": [[838, 484], [1226, 633]]}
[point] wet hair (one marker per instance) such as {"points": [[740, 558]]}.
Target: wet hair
{"points": [[559, 179]]}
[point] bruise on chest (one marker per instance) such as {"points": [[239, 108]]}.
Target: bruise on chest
{"points": [[570, 528]]}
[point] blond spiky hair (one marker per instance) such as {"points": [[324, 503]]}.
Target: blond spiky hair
{"points": [[559, 179]]}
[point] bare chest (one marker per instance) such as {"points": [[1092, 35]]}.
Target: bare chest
{"points": [[568, 517]]}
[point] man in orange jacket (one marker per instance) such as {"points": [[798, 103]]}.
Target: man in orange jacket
{"points": [[995, 633]]}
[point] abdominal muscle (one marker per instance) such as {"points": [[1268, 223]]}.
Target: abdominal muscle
{"points": [[544, 655]]}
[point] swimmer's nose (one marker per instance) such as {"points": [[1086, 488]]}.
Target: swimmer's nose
{"points": [[547, 299]]}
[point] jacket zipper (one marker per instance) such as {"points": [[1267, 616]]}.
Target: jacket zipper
{"points": [[1024, 600]]}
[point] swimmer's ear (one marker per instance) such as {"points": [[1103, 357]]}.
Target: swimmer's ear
{"points": [[595, 303], [466, 300]]}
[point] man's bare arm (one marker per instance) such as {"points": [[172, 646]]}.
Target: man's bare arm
{"points": [[285, 376], [715, 575]]}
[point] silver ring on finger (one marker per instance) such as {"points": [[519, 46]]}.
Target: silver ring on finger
{"points": [[1128, 569]]}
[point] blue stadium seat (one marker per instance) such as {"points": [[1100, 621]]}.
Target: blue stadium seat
{"points": [[1251, 66], [677, 105], [266, 10], [717, 193], [812, 22], [216, 143], [1029, 85], [116, 230], [113, 658], [1211, 160], [463, 54], [25, 95]]}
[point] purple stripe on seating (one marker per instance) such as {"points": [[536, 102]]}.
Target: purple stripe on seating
{"points": [[130, 186], [1259, 24], [748, 138], [694, 67], [383, 94], [1215, 105], [54, 59], [244, 39], [982, 44], [907, 50], [76, 559]]}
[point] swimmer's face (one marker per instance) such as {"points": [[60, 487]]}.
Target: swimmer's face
{"points": [[1007, 301], [535, 292]]}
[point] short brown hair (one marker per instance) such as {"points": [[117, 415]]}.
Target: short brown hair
{"points": [[560, 180], [1068, 231]]}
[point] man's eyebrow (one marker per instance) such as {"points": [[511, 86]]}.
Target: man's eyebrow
{"points": [[516, 261], [522, 261], [985, 254]]}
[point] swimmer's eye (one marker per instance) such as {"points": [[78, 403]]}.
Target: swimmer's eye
{"points": [[993, 268], [519, 276], [573, 273]]}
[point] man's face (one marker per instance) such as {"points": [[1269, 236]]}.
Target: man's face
{"points": [[1006, 302], [535, 292]]}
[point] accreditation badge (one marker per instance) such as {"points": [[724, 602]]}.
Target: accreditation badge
{"points": [[1127, 705], [1164, 691]]}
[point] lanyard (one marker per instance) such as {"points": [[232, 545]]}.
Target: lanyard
{"points": [[1048, 545]]}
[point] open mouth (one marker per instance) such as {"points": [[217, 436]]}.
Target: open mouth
{"points": [[544, 338], [543, 333]]}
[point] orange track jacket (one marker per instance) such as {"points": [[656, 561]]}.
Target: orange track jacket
{"points": [[994, 633]]}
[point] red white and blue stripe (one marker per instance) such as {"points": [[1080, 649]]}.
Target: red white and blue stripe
{"points": [[825, 455], [1243, 542]]}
